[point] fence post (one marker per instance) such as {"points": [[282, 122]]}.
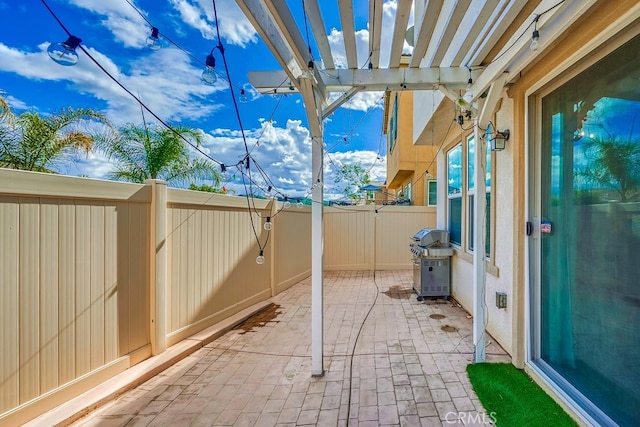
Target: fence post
{"points": [[158, 266]]}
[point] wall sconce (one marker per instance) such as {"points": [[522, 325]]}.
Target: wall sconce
{"points": [[501, 300], [499, 140]]}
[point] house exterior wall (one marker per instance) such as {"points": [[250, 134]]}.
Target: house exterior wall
{"points": [[499, 276], [508, 269], [407, 163]]}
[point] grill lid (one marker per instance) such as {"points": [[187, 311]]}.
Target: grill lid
{"points": [[428, 237]]}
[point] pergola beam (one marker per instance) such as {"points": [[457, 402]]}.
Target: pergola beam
{"points": [[427, 27], [483, 21], [375, 31], [450, 29], [341, 80], [498, 25], [338, 102], [289, 29], [348, 32], [319, 33], [516, 54], [399, 31], [260, 16]]}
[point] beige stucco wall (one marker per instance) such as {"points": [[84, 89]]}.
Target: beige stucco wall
{"points": [[408, 163], [499, 276]]}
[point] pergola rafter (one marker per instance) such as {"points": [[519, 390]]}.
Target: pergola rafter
{"points": [[444, 53]]}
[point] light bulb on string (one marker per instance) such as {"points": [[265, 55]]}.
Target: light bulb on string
{"points": [[535, 37], [300, 204], [468, 95], [153, 41], [209, 75], [268, 225], [260, 258], [287, 203], [64, 53], [243, 97], [535, 40]]}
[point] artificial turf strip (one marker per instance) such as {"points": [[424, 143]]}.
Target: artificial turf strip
{"points": [[512, 398]]}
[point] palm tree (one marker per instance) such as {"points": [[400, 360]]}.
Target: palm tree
{"points": [[152, 152], [614, 164], [32, 142]]}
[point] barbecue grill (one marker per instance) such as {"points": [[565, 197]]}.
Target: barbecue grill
{"points": [[431, 263]]}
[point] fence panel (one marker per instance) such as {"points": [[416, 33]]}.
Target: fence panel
{"points": [[71, 303]]}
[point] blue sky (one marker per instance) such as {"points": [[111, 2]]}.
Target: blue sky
{"points": [[168, 81]]}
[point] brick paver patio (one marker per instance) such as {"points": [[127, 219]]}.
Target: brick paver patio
{"points": [[389, 360]]}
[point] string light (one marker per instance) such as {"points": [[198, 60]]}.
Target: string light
{"points": [[535, 37], [300, 205], [268, 225], [243, 97], [209, 75], [153, 41], [287, 203], [64, 53], [260, 258]]}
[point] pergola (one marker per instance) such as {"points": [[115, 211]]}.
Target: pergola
{"points": [[460, 47]]}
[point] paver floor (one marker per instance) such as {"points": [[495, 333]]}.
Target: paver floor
{"points": [[389, 360]]}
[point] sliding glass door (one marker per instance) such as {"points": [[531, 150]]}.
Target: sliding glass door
{"points": [[586, 256]]}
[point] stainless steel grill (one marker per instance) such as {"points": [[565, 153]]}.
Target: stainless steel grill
{"points": [[431, 263]]}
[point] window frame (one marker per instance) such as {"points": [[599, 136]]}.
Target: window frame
{"points": [[435, 184], [455, 196], [471, 192]]}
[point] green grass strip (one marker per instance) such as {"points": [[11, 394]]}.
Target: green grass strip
{"points": [[512, 398]]}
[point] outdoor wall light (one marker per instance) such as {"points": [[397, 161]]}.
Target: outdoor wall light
{"points": [[499, 140], [153, 41], [64, 53], [501, 300]]}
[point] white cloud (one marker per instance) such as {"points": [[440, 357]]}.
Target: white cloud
{"points": [[195, 17], [164, 80], [235, 28], [285, 155], [127, 26]]}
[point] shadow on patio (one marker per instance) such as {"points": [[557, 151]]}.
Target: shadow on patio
{"points": [[404, 365]]}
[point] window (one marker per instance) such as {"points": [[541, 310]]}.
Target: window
{"points": [[471, 194], [393, 125], [407, 192], [432, 196], [454, 194]]}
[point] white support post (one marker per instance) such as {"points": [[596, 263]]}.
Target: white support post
{"points": [[317, 293], [479, 222], [314, 116], [158, 266]]}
